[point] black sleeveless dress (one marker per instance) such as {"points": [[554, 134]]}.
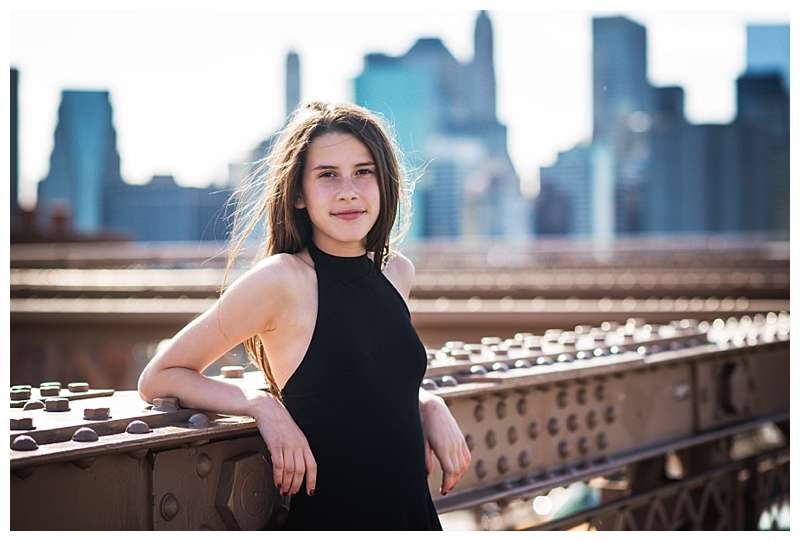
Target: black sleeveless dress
{"points": [[355, 396]]}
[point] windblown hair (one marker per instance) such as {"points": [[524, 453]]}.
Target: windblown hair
{"points": [[264, 203]]}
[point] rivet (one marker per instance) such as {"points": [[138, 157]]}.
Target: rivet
{"points": [[50, 384], [502, 465], [478, 369], [84, 434], [512, 434], [591, 420], [20, 387], [49, 391], [449, 381], [96, 414], [232, 371], [137, 426], [199, 420], [491, 439], [563, 449], [544, 360], [490, 340], [429, 384], [572, 423], [499, 367], [33, 405], [533, 430], [56, 404], [601, 441], [480, 469], [552, 426], [524, 460], [522, 406], [500, 409], [479, 412], [581, 395], [169, 506], [565, 358], [22, 423], [20, 394], [610, 414], [167, 403], [204, 465], [78, 387], [24, 443], [561, 399], [599, 393], [470, 441]]}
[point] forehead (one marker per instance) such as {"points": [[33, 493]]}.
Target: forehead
{"points": [[337, 149]]}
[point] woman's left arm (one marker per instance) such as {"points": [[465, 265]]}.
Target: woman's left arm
{"points": [[444, 438], [442, 434]]}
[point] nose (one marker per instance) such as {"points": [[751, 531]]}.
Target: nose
{"points": [[348, 188]]}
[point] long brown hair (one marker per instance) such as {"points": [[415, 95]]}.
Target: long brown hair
{"points": [[266, 197]]}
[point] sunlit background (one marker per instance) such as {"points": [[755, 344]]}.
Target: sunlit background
{"points": [[541, 123], [602, 171]]}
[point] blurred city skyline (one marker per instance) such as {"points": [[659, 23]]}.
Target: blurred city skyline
{"points": [[547, 107]]}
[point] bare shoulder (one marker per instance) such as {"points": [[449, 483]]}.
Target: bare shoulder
{"points": [[264, 290], [402, 269]]}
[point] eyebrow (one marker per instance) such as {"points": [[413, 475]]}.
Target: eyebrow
{"points": [[335, 167]]}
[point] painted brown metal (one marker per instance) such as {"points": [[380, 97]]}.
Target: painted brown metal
{"points": [[537, 410]]}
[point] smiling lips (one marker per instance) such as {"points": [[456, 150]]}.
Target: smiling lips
{"points": [[350, 215]]}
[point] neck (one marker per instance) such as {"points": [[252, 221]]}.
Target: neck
{"points": [[339, 248]]}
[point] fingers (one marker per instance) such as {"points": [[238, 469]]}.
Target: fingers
{"points": [[277, 466], [299, 470], [451, 472], [311, 471], [455, 466], [288, 471]]}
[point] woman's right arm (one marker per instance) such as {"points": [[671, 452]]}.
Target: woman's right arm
{"points": [[251, 305]]}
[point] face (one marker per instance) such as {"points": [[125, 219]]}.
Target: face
{"points": [[339, 175]]}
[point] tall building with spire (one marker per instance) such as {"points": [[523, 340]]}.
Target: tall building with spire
{"points": [[14, 145], [292, 81], [440, 108], [482, 70]]}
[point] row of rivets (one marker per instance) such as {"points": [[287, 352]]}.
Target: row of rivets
{"points": [[82, 434]]}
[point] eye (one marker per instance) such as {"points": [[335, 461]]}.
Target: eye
{"points": [[366, 171], [325, 173]]}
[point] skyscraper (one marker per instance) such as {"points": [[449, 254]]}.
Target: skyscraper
{"points": [[482, 70], [619, 73], [768, 50], [292, 81], [14, 145], [427, 94], [84, 161]]}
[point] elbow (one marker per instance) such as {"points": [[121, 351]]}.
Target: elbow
{"points": [[143, 387]]}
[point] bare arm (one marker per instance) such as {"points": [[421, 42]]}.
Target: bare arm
{"points": [[248, 307]]}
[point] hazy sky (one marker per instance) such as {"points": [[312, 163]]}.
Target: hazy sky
{"points": [[194, 90]]}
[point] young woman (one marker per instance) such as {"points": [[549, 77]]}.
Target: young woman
{"points": [[323, 314]]}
